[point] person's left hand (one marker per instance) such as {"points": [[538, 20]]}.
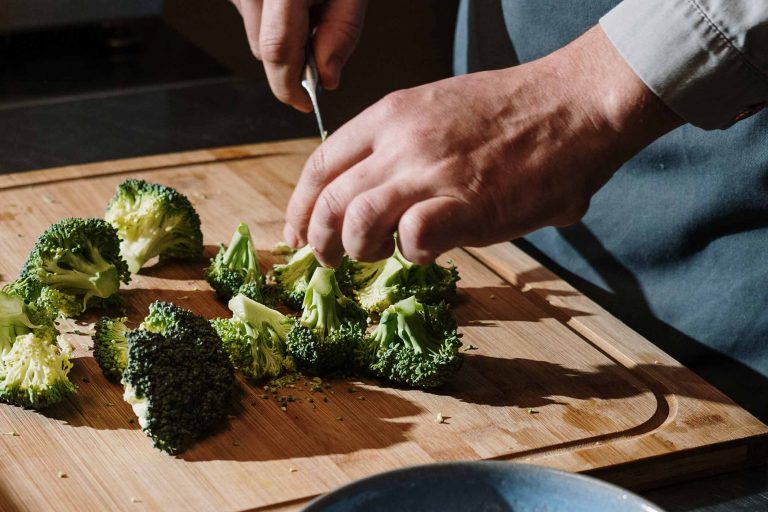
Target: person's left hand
{"points": [[477, 159]]}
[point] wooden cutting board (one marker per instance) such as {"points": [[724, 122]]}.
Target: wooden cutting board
{"points": [[554, 379]]}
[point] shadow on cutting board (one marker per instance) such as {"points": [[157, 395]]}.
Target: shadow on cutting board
{"points": [[528, 383], [488, 305]]}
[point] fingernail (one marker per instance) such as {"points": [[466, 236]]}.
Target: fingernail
{"points": [[290, 236], [334, 71]]}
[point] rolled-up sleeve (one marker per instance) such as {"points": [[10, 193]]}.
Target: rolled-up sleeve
{"points": [[706, 59]]}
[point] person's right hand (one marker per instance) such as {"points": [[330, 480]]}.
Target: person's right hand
{"points": [[278, 31]]}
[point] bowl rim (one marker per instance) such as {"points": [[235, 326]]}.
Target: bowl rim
{"points": [[329, 497]]}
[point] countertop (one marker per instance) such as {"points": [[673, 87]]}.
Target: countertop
{"points": [[224, 111]]}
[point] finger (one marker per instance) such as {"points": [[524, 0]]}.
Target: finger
{"points": [[372, 217], [282, 39], [336, 36], [325, 226], [432, 227], [349, 145], [250, 10]]}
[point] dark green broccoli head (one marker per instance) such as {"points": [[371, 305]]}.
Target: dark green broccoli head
{"points": [[235, 265], [80, 257], [14, 321], [178, 379], [34, 373], [254, 337], [154, 220], [414, 344], [110, 346], [331, 325], [322, 355]]}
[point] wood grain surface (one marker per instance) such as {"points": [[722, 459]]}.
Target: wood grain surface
{"points": [[553, 380]]}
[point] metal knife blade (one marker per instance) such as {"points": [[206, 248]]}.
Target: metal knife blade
{"points": [[310, 83]]}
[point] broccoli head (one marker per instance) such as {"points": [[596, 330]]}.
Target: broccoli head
{"points": [[110, 346], [254, 337], [331, 325], [14, 321], [260, 292], [235, 265], [79, 257], [293, 276], [178, 379], [414, 344], [382, 283], [34, 373], [154, 220]]}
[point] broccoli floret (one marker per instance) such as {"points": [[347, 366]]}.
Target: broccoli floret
{"points": [[379, 284], [79, 257], [414, 344], [110, 346], [293, 276], [382, 283], [331, 325], [178, 379], [46, 303], [154, 220], [34, 373], [254, 337], [235, 265], [262, 293], [14, 321]]}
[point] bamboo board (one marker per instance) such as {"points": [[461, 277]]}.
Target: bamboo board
{"points": [[554, 380]]}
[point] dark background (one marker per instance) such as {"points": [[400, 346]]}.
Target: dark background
{"points": [[183, 78]]}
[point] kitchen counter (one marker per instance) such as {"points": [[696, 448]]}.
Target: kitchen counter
{"points": [[227, 111]]}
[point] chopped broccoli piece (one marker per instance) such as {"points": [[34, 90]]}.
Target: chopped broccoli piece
{"points": [[331, 325], [262, 293], [414, 344], [14, 321], [154, 220], [293, 276], [178, 379], [34, 373], [382, 283], [254, 337], [79, 257], [235, 266], [110, 346]]}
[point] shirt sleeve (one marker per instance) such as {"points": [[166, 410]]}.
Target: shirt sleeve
{"points": [[706, 59]]}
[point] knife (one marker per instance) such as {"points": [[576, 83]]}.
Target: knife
{"points": [[310, 83]]}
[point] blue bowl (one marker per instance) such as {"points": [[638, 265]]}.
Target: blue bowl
{"points": [[482, 487]]}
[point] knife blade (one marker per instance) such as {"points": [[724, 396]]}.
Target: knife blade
{"points": [[310, 83]]}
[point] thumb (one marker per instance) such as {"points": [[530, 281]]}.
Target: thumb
{"points": [[336, 35]]}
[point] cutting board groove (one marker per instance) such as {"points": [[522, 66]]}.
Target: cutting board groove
{"points": [[555, 379]]}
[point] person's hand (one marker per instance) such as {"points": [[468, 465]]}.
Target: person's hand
{"points": [[476, 159], [278, 31]]}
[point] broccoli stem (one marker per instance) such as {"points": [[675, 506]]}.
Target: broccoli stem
{"points": [[320, 308], [241, 253], [97, 277]]}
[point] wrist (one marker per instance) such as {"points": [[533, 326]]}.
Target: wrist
{"points": [[617, 101]]}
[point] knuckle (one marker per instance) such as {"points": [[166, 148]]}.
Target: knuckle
{"points": [[275, 50], [329, 208], [394, 103], [316, 171], [361, 216]]}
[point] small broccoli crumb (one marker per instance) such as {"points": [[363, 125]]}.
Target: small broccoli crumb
{"points": [[61, 474], [440, 418], [12, 433], [361, 398], [470, 347], [134, 499], [339, 418], [292, 470], [235, 443], [532, 411]]}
